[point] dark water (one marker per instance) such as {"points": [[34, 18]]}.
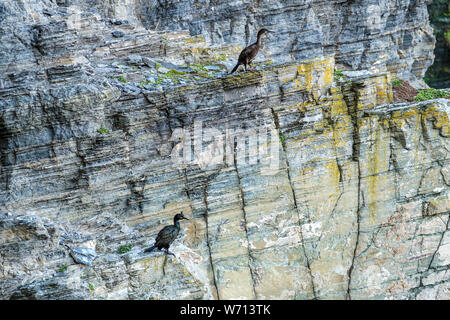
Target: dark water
{"points": [[438, 75]]}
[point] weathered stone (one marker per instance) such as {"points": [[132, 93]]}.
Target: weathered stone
{"points": [[83, 255], [149, 62], [134, 60], [363, 35], [163, 70], [117, 34], [355, 204]]}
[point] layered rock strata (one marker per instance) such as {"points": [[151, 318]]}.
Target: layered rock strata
{"points": [[304, 185]]}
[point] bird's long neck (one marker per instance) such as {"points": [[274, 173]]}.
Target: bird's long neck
{"points": [[259, 40], [176, 223]]}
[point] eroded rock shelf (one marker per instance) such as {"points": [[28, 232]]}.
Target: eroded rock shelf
{"points": [[354, 205]]}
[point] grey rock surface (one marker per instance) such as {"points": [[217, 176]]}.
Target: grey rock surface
{"points": [[83, 255], [362, 34], [356, 205], [118, 34]]}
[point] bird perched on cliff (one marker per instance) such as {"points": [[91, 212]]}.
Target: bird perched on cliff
{"points": [[248, 54], [167, 235]]}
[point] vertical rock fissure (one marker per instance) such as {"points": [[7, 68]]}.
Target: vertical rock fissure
{"points": [[439, 244], [137, 195], [393, 163], [432, 259], [205, 202], [205, 215], [244, 213], [82, 176], [334, 144], [353, 111], [358, 223], [283, 145]]}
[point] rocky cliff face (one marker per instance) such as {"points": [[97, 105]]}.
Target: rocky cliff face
{"points": [[299, 184], [362, 34]]}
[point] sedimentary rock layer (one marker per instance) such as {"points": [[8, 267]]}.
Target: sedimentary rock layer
{"points": [[305, 185], [362, 34]]}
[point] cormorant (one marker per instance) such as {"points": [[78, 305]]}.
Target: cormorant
{"points": [[248, 54], [167, 235]]}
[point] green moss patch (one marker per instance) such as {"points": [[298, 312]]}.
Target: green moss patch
{"points": [[432, 93], [120, 78], [63, 268], [102, 130], [396, 83], [338, 74], [222, 57], [125, 248]]}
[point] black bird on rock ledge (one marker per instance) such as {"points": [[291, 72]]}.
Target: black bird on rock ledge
{"points": [[248, 54], [167, 235]]}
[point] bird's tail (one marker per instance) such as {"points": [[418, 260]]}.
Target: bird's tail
{"points": [[150, 249], [235, 68]]}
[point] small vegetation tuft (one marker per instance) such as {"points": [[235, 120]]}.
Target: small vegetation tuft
{"points": [[338, 74], [198, 67], [125, 248], [63, 268], [222, 57], [396, 83], [282, 137], [120, 78], [174, 72], [102, 130], [431, 93], [145, 82]]}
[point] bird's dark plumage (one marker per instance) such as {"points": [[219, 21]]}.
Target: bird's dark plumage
{"points": [[248, 54], [167, 235]]}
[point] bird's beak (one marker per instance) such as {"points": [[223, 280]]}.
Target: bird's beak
{"points": [[185, 218]]}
